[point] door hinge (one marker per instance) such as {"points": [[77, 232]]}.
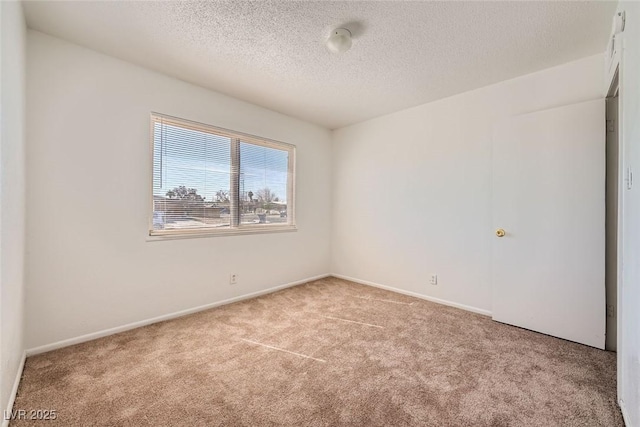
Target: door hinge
{"points": [[611, 125], [629, 178]]}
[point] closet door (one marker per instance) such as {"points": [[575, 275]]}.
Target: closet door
{"points": [[549, 222]]}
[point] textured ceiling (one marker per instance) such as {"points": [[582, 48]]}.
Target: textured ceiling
{"points": [[272, 53]]}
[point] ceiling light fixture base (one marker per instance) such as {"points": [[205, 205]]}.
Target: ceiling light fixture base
{"points": [[339, 41]]}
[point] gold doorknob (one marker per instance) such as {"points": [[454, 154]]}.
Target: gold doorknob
{"points": [[500, 232]]}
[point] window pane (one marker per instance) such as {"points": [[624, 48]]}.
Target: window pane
{"points": [[263, 185], [191, 178]]}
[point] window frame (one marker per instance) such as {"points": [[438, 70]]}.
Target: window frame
{"points": [[235, 226]]}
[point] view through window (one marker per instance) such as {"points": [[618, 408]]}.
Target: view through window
{"points": [[207, 179]]}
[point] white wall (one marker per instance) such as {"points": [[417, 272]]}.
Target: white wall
{"points": [[89, 265], [412, 190], [12, 198], [629, 288]]}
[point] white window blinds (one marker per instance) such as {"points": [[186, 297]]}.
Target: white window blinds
{"points": [[207, 179]]}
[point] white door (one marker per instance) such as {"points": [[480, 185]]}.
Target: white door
{"points": [[549, 198]]}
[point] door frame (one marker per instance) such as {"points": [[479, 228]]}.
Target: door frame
{"points": [[613, 90], [612, 93]]}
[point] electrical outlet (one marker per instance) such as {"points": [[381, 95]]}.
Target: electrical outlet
{"points": [[611, 310], [233, 279], [434, 279]]}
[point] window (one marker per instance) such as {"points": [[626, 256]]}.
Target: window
{"points": [[216, 181]]}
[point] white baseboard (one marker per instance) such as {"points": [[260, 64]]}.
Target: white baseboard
{"points": [[118, 329], [625, 414], [14, 390], [414, 294]]}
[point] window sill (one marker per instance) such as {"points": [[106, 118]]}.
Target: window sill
{"points": [[196, 234]]}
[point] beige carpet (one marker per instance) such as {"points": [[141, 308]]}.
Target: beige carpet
{"points": [[325, 353]]}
